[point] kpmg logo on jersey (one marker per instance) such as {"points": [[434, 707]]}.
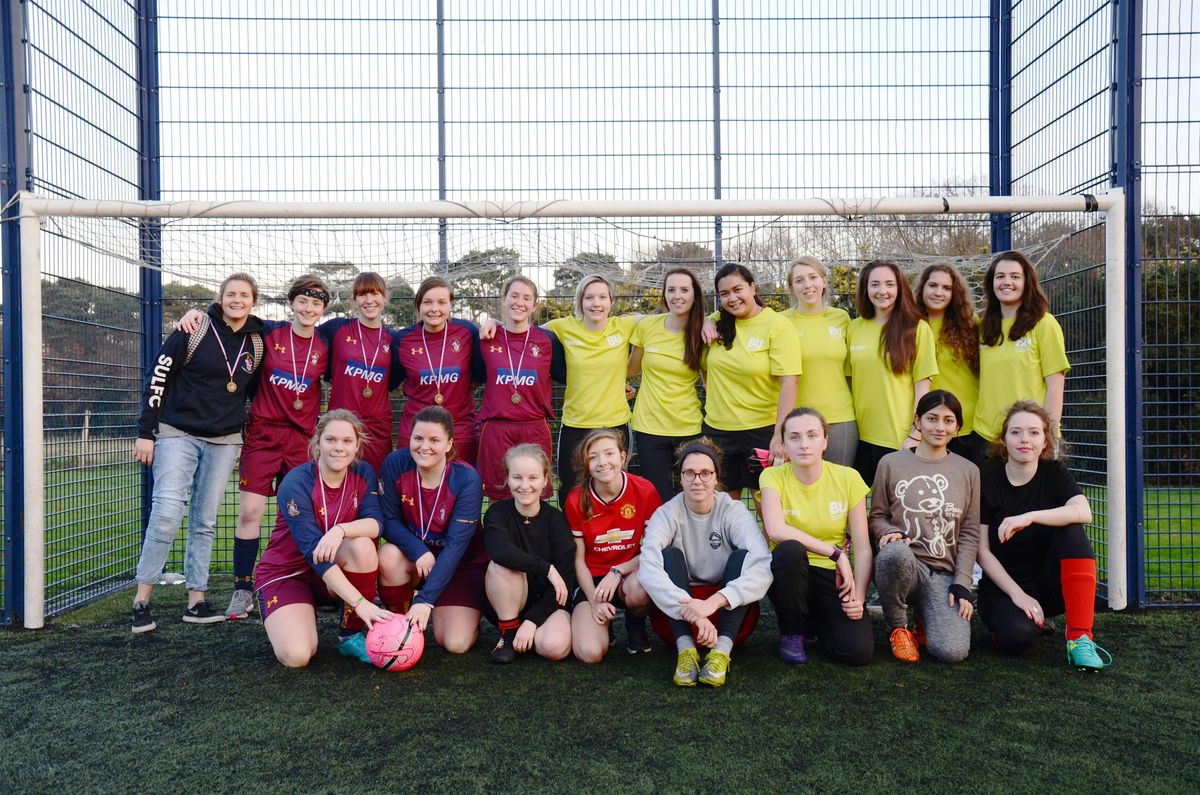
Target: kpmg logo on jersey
{"points": [[286, 380], [444, 375], [357, 369], [505, 377]]}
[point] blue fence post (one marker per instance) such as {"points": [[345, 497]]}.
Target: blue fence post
{"points": [[1127, 173], [149, 189], [443, 224], [13, 179], [1000, 118], [718, 253]]}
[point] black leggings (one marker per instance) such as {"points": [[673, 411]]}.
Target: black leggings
{"points": [[867, 457], [729, 619], [564, 457], [656, 460], [1013, 631], [804, 595]]}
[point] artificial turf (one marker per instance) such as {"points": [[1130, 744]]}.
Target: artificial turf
{"points": [[92, 708]]}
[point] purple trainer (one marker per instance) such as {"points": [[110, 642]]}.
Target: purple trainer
{"points": [[791, 649]]}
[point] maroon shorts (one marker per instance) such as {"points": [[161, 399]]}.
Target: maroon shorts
{"points": [[465, 588], [497, 437], [271, 450], [275, 589]]}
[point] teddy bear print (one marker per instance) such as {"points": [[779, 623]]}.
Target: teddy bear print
{"points": [[928, 518]]}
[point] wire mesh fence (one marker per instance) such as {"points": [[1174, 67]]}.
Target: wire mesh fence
{"points": [[502, 101]]}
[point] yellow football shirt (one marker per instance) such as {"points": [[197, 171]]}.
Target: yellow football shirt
{"points": [[883, 401], [667, 402], [1013, 371], [823, 347], [597, 362], [823, 509], [955, 376], [742, 390]]}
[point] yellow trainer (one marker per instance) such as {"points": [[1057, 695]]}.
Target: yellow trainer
{"points": [[687, 668], [716, 666]]}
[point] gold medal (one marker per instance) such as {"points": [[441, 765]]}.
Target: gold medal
{"points": [[231, 387], [367, 392], [438, 399], [516, 398], [299, 404]]}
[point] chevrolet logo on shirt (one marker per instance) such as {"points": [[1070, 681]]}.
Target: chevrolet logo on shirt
{"points": [[615, 536]]}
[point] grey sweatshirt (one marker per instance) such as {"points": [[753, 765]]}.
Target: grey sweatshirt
{"points": [[706, 542], [933, 503]]}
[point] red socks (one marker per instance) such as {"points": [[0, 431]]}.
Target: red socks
{"points": [[364, 581], [1078, 577], [397, 598], [509, 626]]}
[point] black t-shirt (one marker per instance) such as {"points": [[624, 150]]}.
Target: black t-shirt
{"points": [[1023, 554]]}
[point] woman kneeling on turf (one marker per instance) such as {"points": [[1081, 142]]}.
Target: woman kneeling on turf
{"points": [[431, 504], [809, 506], [323, 546], [1036, 557], [608, 512], [925, 524], [531, 575], [703, 536]]}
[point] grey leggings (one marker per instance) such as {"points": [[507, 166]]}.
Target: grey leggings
{"points": [[843, 440], [901, 580]]}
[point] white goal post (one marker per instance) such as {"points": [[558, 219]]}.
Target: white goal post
{"points": [[34, 209]]}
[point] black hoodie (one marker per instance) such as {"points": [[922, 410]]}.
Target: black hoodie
{"points": [[194, 397]]}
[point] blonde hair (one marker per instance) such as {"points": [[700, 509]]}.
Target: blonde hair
{"points": [[584, 283], [815, 264], [338, 415], [527, 451]]}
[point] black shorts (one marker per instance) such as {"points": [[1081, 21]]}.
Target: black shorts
{"points": [[578, 596], [736, 448]]}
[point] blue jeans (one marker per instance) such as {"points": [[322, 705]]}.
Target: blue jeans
{"points": [[184, 464]]}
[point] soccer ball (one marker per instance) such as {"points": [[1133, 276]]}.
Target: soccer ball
{"points": [[388, 647]]}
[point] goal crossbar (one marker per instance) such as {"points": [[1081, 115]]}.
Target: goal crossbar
{"points": [[34, 208]]}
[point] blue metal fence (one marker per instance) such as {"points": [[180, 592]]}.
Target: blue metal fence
{"points": [[182, 99]]}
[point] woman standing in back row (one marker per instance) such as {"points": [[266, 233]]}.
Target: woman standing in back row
{"points": [[822, 330], [892, 358], [1023, 355]]}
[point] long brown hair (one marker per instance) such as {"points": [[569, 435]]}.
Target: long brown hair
{"points": [[1034, 303], [693, 346], [586, 506], [960, 327], [898, 342]]}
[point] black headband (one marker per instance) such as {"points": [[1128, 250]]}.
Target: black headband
{"points": [[311, 292], [697, 447]]}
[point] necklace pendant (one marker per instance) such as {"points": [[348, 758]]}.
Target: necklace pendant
{"points": [[516, 398], [438, 399], [367, 392], [299, 404], [231, 387]]}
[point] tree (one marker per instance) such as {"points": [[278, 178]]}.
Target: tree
{"points": [[480, 275], [581, 264]]}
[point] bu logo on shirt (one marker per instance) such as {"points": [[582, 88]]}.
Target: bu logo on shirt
{"points": [[356, 369], [835, 331], [448, 375], [505, 377], [838, 508], [1025, 344], [614, 340], [756, 344]]}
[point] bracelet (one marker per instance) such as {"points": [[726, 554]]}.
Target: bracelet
{"points": [[358, 601], [618, 572], [837, 553]]}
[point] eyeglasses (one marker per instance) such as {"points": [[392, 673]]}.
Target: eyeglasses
{"points": [[704, 475]]}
